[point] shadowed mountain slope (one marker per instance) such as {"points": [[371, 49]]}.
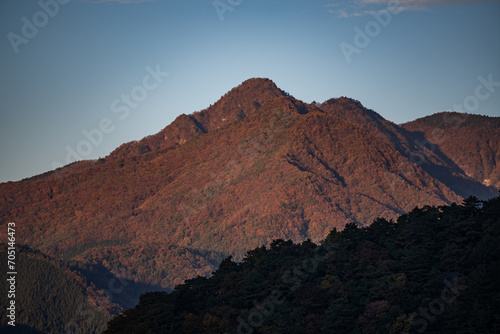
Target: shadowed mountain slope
{"points": [[435, 270], [50, 297], [256, 166], [471, 141]]}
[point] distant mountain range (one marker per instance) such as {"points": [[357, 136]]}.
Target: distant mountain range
{"points": [[257, 165]]}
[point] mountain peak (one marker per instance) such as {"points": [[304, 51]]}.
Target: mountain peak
{"points": [[254, 83], [255, 89], [238, 103], [259, 85]]}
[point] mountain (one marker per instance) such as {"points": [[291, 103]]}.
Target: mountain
{"points": [[471, 141], [50, 297], [436, 270], [257, 165], [238, 103]]}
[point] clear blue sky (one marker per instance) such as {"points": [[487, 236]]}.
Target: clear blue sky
{"points": [[72, 72]]}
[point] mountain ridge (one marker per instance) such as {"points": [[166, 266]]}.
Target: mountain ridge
{"points": [[174, 204], [484, 163], [227, 109]]}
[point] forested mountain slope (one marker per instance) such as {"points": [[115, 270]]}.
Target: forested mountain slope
{"points": [[471, 141], [435, 270], [257, 165], [50, 297]]}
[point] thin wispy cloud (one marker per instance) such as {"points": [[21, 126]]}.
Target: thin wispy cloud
{"points": [[355, 8], [122, 2], [427, 2]]}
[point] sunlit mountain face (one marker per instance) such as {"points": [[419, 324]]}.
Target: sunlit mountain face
{"points": [[256, 166]]}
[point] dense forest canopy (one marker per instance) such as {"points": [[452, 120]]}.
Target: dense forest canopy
{"points": [[435, 270], [50, 297], [256, 166]]}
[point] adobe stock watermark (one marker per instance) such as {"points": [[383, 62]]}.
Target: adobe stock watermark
{"points": [[363, 38], [30, 28], [86, 313], [436, 306], [247, 151], [222, 6], [120, 106], [470, 103], [482, 92], [294, 278]]}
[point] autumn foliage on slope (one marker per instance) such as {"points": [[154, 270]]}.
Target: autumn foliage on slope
{"points": [[471, 141], [436, 270], [256, 166]]}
